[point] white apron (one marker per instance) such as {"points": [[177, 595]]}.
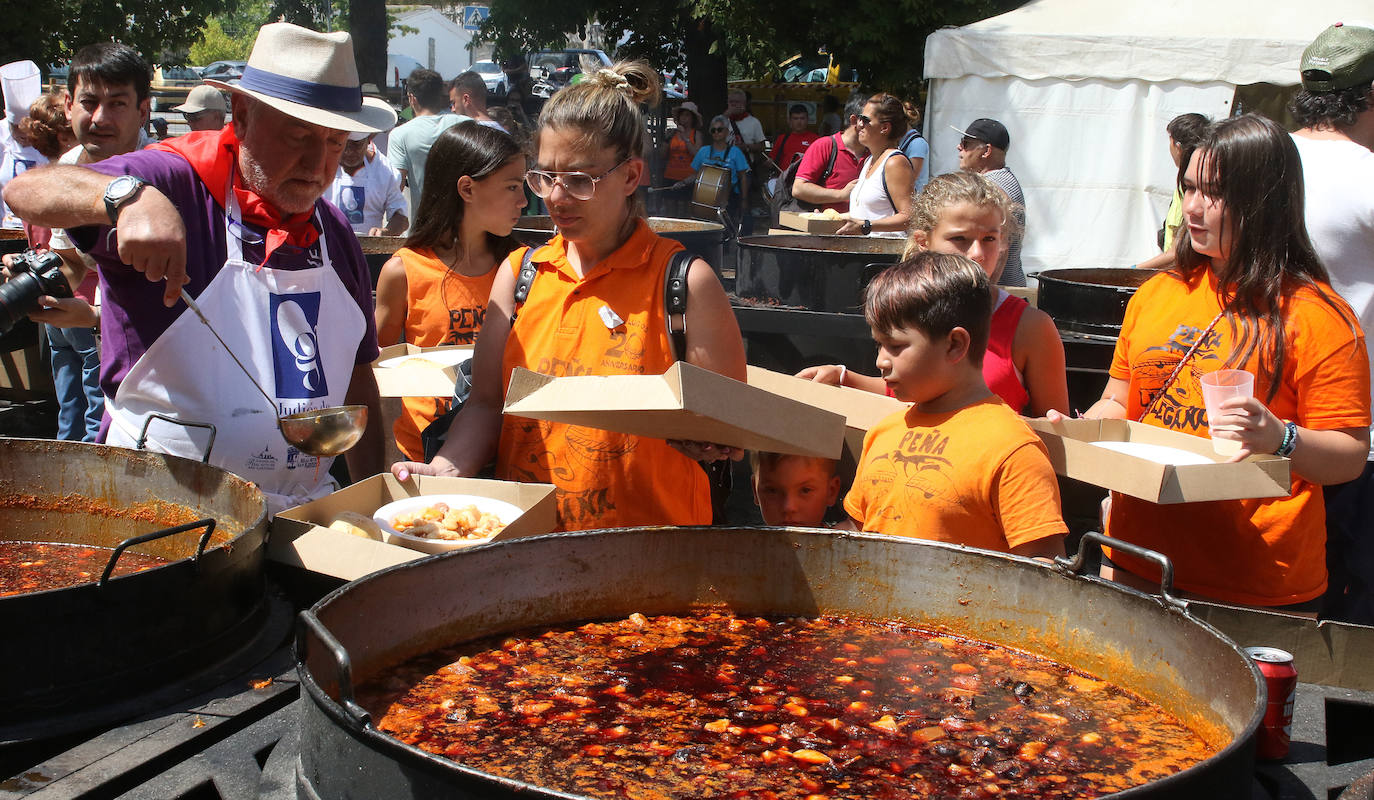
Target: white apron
{"points": [[297, 331]]}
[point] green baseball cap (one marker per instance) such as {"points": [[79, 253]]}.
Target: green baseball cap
{"points": [[1342, 56]]}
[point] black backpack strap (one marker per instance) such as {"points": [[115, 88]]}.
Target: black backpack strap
{"points": [[524, 279], [830, 162], [675, 301], [887, 193]]}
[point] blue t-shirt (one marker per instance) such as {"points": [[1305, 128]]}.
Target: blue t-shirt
{"points": [[915, 146], [732, 159]]}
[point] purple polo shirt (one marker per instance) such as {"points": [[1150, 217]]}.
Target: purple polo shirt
{"points": [[132, 315]]}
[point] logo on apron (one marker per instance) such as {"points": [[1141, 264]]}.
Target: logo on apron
{"points": [[295, 346], [351, 201]]}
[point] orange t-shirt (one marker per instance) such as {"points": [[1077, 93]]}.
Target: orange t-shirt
{"points": [[442, 308], [978, 476], [1264, 552], [679, 166], [602, 479]]}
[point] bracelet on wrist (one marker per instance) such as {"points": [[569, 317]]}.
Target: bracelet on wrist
{"points": [[1290, 439]]}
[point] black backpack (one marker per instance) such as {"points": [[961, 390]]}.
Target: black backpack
{"points": [[783, 199]]}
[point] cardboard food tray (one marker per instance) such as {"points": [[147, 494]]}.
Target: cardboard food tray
{"points": [[686, 402], [1074, 456], [301, 536], [861, 410], [797, 222], [416, 381]]}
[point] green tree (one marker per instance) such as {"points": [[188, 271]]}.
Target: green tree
{"points": [[215, 44], [50, 31], [883, 39]]}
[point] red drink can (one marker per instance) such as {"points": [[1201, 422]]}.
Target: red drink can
{"points": [[1281, 681]]}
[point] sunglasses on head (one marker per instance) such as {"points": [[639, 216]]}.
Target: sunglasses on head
{"points": [[578, 184]]}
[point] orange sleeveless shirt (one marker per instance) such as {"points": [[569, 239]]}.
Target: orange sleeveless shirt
{"points": [[602, 479], [442, 308]]}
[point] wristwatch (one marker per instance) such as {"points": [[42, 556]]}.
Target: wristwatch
{"points": [[867, 227], [120, 191]]}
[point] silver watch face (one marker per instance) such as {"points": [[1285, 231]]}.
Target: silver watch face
{"points": [[121, 187]]}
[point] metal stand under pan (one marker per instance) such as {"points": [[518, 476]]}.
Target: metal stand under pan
{"points": [[27, 743]]}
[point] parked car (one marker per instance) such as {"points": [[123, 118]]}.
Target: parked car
{"points": [[560, 66], [171, 85], [493, 76], [223, 70]]}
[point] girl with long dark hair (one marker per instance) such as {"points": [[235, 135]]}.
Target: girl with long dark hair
{"points": [[1247, 292], [434, 291]]}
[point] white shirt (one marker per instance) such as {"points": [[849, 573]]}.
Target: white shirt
{"points": [[1338, 176], [14, 159], [750, 129], [369, 196]]}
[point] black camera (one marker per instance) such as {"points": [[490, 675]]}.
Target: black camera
{"points": [[33, 274]]}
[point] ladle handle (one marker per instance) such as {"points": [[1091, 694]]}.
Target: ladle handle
{"points": [[191, 304]]}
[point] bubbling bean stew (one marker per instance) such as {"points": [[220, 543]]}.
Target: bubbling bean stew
{"points": [[713, 705], [39, 566]]}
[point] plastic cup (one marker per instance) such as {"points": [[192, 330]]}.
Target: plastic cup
{"points": [[1218, 387]]}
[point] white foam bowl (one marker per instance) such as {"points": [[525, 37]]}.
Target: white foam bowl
{"points": [[384, 515]]}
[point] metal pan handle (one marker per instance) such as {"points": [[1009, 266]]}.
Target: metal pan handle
{"points": [[143, 433], [208, 524], [1074, 566], [307, 623]]}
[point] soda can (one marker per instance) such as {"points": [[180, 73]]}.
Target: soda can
{"points": [[1281, 682]]}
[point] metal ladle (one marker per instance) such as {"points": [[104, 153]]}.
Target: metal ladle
{"points": [[320, 433]]}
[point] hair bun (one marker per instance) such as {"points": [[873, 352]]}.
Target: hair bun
{"points": [[635, 79]]}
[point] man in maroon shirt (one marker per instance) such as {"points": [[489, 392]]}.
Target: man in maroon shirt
{"points": [[813, 184]]}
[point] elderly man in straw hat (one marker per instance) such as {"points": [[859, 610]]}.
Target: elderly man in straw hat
{"points": [[235, 218]]}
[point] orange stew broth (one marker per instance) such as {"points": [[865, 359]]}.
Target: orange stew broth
{"points": [[711, 705], [39, 566]]}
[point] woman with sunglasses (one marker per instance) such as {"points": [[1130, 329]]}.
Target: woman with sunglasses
{"points": [[595, 307], [880, 202], [721, 152]]}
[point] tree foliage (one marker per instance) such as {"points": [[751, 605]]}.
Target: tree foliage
{"points": [[883, 39], [51, 31], [216, 44]]}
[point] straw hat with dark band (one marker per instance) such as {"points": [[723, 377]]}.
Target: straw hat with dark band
{"points": [[310, 76]]}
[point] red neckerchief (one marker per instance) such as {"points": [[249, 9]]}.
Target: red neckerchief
{"points": [[214, 155]]}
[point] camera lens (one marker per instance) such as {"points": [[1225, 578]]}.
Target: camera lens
{"points": [[18, 297]]}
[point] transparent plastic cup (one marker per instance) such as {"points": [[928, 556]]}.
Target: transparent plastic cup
{"points": [[1218, 387]]}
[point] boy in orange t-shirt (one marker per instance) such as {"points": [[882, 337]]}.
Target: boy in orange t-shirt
{"points": [[959, 466], [794, 490]]}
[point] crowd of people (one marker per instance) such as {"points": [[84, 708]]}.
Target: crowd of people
{"points": [[258, 220]]}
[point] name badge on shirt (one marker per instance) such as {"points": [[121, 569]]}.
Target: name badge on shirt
{"points": [[610, 318]]}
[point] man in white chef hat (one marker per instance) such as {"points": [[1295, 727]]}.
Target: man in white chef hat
{"points": [[21, 85]]}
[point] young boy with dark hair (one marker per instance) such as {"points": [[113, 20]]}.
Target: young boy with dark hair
{"points": [[959, 466], [794, 490]]}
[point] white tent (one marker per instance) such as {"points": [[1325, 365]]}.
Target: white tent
{"points": [[1085, 88]]}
